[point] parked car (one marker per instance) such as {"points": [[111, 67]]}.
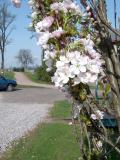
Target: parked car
{"points": [[7, 84]]}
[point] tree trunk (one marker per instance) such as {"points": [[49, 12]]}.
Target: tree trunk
{"points": [[2, 62], [115, 88], [112, 62], [112, 68]]}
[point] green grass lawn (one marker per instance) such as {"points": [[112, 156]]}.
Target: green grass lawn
{"points": [[61, 110], [48, 142], [9, 74], [31, 76]]}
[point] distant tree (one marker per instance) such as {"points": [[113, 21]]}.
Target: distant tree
{"points": [[6, 28], [25, 58]]}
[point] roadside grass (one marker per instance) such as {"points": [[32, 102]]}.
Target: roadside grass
{"points": [[33, 77], [49, 141], [61, 110], [53, 141], [9, 74]]}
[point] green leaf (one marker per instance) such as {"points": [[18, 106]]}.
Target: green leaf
{"points": [[107, 89], [101, 86]]}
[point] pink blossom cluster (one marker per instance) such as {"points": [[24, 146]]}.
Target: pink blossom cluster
{"points": [[78, 66], [65, 6], [42, 28], [44, 24]]}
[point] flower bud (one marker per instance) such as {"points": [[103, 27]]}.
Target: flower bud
{"points": [[88, 8], [16, 3]]}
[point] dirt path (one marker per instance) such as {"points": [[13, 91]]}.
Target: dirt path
{"points": [[22, 79]]}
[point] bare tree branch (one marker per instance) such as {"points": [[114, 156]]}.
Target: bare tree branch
{"points": [[6, 20]]}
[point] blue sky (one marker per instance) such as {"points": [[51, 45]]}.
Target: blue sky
{"points": [[21, 36], [110, 9]]}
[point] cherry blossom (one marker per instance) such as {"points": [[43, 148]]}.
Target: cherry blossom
{"points": [[44, 24], [57, 33], [43, 38], [98, 115], [99, 144], [49, 54], [65, 6], [78, 68]]}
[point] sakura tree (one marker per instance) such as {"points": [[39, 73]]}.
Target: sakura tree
{"points": [[75, 37]]}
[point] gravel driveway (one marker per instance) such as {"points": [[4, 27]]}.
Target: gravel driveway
{"points": [[22, 110], [18, 119]]}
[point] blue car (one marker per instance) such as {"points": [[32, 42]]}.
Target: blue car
{"points": [[7, 84]]}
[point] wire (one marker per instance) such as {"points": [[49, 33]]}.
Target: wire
{"points": [[115, 14]]}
